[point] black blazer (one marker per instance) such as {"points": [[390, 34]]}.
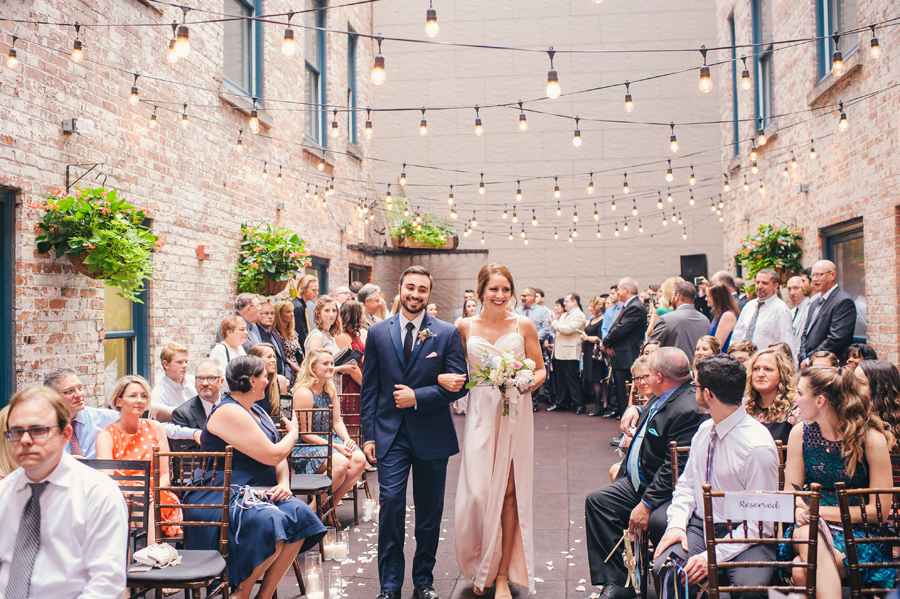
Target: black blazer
{"points": [[300, 320], [190, 414], [626, 334], [677, 421], [832, 329]]}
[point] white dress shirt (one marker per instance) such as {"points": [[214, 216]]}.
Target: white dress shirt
{"points": [[172, 394], [745, 459], [417, 324], [773, 324], [84, 531]]}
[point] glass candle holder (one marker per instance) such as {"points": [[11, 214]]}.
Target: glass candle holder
{"points": [[330, 540], [341, 545], [315, 585], [335, 583]]}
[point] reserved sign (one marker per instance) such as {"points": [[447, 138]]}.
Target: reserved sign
{"points": [[769, 507]]}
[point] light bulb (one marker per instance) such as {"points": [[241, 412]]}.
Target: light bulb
{"points": [[576, 140], [761, 138], [239, 146], [555, 234], [684, 235], [874, 47], [481, 185], [794, 163], [625, 226], [479, 129], [321, 165], [265, 173], [659, 202], [254, 120], [184, 117], [665, 221], [691, 201], [511, 237], [669, 176], [287, 46], [785, 172], [843, 124], [450, 197], [753, 153], [504, 213], [692, 180], [172, 54], [12, 61], [640, 227], [556, 192], [278, 178], [182, 43], [403, 175], [423, 125], [369, 131], [746, 185], [762, 188], [474, 221], [599, 234], [837, 63], [335, 128], [77, 54], [613, 205], [669, 197], [705, 80], [673, 141], [515, 217], [525, 241], [727, 184], [377, 74], [634, 210], [617, 230], [625, 184], [745, 74], [523, 122], [596, 214], [431, 25], [482, 235], [574, 216], [574, 232], [153, 119], [629, 103], [590, 187], [553, 89], [518, 191], [754, 168], [534, 220], [558, 210], [812, 151], [133, 98]]}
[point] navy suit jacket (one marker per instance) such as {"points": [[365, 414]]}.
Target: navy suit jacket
{"points": [[626, 334], [429, 423], [832, 328]]}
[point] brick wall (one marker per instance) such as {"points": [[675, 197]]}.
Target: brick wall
{"points": [[198, 189]]}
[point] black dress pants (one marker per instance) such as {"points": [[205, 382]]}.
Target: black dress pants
{"points": [[568, 383], [618, 400]]}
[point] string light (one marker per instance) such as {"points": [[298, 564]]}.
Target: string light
{"points": [[432, 28], [640, 226], [321, 165], [576, 140], [843, 124], [481, 185], [184, 117], [474, 220], [423, 125], [523, 121], [369, 130], [239, 146], [659, 202], [504, 212], [754, 168], [812, 150], [534, 221], [629, 104], [254, 117], [403, 175], [625, 226], [665, 221], [684, 235], [515, 217], [316, 194], [574, 214], [669, 196], [555, 233], [613, 205], [590, 187], [669, 176], [153, 118], [287, 46], [705, 80], [482, 238], [450, 197], [330, 190], [510, 234], [599, 234], [761, 133], [518, 191], [523, 234], [721, 202], [596, 214], [479, 129], [553, 89], [365, 208], [786, 172], [691, 201], [387, 197], [525, 241], [183, 42], [692, 180], [874, 48], [727, 185], [172, 54], [453, 213], [335, 128], [673, 141], [558, 209], [278, 177], [762, 188], [570, 237], [134, 97], [377, 75], [12, 60], [837, 58], [634, 210], [753, 154], [556, 192], [617, 230], [712, 205], [794, 163], [265, 173], [405, 211], [625, 184], [746, 184], [745, 74], [77, 47], [574, 232], [680, 220]]}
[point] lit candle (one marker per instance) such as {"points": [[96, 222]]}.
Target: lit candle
{"points": [[334, 593], [315, 595], [328, 553], [341, 551]]}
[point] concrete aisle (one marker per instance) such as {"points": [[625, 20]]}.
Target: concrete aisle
{"points": [[572, 458]]}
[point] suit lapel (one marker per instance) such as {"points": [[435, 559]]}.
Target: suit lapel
{"points": [[417, 347], [198, 412], [395, 337]]}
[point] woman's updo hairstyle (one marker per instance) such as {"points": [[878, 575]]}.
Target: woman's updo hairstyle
{"points": [[484, 275], [241, 369]]}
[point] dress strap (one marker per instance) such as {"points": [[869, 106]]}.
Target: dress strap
{"points": [[517, 324]]}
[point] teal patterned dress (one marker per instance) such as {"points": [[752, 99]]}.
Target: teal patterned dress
{"points": [[824, 465], [320, 400]]}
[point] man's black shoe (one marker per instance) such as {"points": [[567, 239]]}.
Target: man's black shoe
{"points": [[580, 410], [424, 591], [534, 408], [596, 412], [615, 441], [389, 595], [556, 408], [614, 591], [611, 414]]}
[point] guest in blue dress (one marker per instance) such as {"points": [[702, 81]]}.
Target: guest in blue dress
{"points": [[263, 538], [725, 312], [840, 440]]}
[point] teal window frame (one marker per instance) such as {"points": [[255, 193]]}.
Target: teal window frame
{"points": [[736, 133], [254, 57], [351, 86], [763, 53], [7, 296], [316, 112]]}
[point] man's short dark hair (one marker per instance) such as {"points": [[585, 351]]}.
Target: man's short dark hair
{"points": [[540, 292], [724, 376], [807, 272], [468, 291], [418, 270], [53, 378], [686, 291], [575, 298]]}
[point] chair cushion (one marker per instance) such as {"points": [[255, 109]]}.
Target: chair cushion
{"points": [[196, 565], [309, 483]]}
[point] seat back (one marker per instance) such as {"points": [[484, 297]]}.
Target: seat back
{"points": [[881, 529], [315, 439], [133, 479], [782, 459], [755, 535], [199, 471], [675, 453], [350, 414]]}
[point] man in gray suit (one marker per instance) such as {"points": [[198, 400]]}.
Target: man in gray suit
{"points": [[683, 326]]}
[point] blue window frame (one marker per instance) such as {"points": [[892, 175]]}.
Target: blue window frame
{"points": [[126, 347], [736, 134], [831, 16], [845, 246], [243, 38], [7, 297], [351, 86], [315, 71], [318, 268], [762, 61]]}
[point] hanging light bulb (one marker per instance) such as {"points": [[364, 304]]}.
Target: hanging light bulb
{"points": [[377, 75], [450, 197], [523, 234], [555, 233], [669, 196], [761, 133], [727, 185], [754, 168], [133, 98], [511, 237], [153, 119], [705, 80], [553, 89], [504, 212], [387, 197], [629, 104], [335, 128], [746, 184], [77, 46], [837, 58], [12, 60], [287, 46], [184, 118], [474, 220], [574, 232], [762, 188], [576, 139], [172, 54], [659, 202], [265, 173], [634, 210], [453, 214], [712, 205], [525, 241], [669, 176], [239, 146], [684, 235], [479, 129], [431, 26], [794, 163], [556, 192], [874, 48], [691, 201], [625, 226], [625, 184], [523, 122], [423, 125], [558, 209], [365, 208], [182, 37], [812, 151], [254, 117], [369, 130], [316, 194], [534, 221], [613, 205], [574, 214], [515, 217], [786, 172], [278, 177], [599, 234], [617, 230], [745, 74], [640, 226], [518, 191], [721, 203], [481, 185], [692, 180], [590, 187], [673, 141], [482, 238], [753, 153], [570, 237], [330, 187], [680, 220], [321, 165], [665, 221], [843, 124], [596, 214], [403, 175]]}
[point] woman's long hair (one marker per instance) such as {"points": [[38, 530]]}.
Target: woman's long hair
{"points": [[840, 388], [884, 392], [351, 317], [273, 392], [286, 331], [721, 300], [666, 293], [337, 328], [307, 378], [787, 387]]}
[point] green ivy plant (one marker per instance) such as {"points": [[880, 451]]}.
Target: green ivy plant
{"points": [[423, 228], [269, 252], [106, 234], [776, 248]]}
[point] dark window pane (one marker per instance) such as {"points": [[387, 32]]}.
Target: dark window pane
{"points": [[849, 257]]}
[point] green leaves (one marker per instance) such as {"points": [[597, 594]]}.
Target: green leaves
{"points": [[269, 252], [776, 248], [424, 228]]}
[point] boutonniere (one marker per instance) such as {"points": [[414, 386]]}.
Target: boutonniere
{"points": [[425, 334]]}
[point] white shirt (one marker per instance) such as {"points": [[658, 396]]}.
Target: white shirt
{"points": [[172, 394], [814, 301], [417, 324], [745, 459], [773, 324], [84, 531]]}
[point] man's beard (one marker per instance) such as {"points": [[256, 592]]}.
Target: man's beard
{"points": [[410, 309]]}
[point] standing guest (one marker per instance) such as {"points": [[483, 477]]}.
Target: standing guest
{"points": [[540, 316], [7, 464], [665, 301], [234, 337], [307, 291], [733, 453], [263, 540], [783, 348], [133, 438], [706, 346], [643, 489], [539, 296], [284, 326], [725, 314], [324, 336], [355, 286], [767, 318], [566, 352], [881, 381], [370, 297], [354, 337], [247, 307], [857, 352], [832, 316], [209, 382], [799, 289], [268, 334], [593, 371], [277, 386], [684, 325], [552, 382], [87, 422], [610, 312], [65, 525], [395, 305], [721, 278], [742, 350], [823, 358], [468, 294], [431, 309], [841, 440], [342, 294], [176, 386], [469, 309], [623, 342], [770, 393], [382, 307]]}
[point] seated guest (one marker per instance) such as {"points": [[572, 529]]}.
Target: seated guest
{"points": [[270, 538], [314, 389], [7, 464], [725, 312], [87, 422], [640, 372], [733, 453], [783, 348], [278, 385], [246, 306], [707, 345], [880, 380], [824, 358], [65, 525], [133, 438], [649, 347], [176, 386], [234, 335], [742, 350], [287, 331], [841, 440], [770, 392], [209, 381], [268, 334], [857, 352], [643, 489]]}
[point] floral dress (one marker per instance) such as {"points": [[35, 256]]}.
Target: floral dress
{"points": [[824, 465], [778, 428], [311, 466], [291, 347]]}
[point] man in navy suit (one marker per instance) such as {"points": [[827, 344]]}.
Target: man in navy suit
{"points": [[623, 342], [407, 425], [831, 317]]}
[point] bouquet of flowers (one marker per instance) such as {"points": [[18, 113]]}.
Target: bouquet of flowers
{"points": [[507, 372]]}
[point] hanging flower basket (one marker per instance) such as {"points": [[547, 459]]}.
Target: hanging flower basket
{"points": [[268, 258], [272, 287], [79, 266], [408, 242], [424, 231], [776, 248]]}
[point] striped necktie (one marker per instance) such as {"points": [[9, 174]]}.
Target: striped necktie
{"points": [[74, 444], [28, 541], [710, 455]]}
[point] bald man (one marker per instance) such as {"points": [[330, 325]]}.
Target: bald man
{"points": [[799, 292], [623, 343], [832, 316]]}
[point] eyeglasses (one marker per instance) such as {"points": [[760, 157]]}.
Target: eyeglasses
{"points": [[35, 432], [819, 275], [696, 387], [72, 391], [136, 396], [641, 379], [206, 379]]}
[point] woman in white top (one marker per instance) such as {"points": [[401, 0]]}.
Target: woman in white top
{"points": [[327, 317], [234, 335]]}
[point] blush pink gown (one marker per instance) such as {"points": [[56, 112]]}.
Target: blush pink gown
{"points": [[492, 444]]}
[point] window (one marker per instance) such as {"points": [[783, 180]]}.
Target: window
{"points": [[319, 268], [243, 48], [351, 86], [845, 247], [125, 346], [358, 273], [7, 296], [734, 87], [762, 59], [315, 70], [831, 16]]}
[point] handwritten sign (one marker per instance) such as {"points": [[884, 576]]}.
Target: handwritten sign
{"points": [[768, 507]]}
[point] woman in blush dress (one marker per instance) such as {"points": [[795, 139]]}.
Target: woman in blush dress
{"points": [[494, 540]]}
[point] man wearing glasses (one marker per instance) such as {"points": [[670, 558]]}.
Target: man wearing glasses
{"points": [[209, 381], [65, 524], [831, 315], [540, 316]]}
